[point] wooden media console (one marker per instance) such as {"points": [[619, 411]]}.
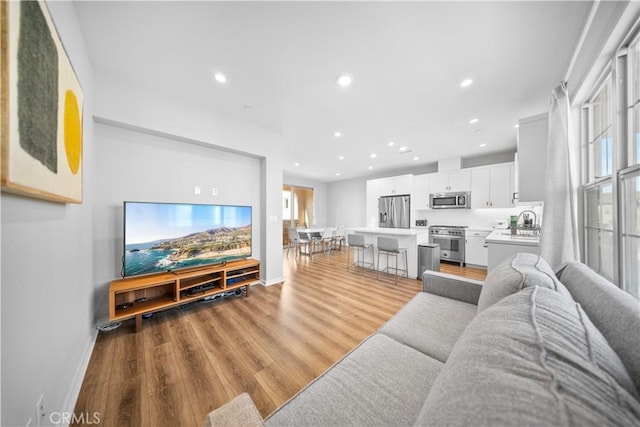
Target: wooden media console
{"points": [[135, 296]]}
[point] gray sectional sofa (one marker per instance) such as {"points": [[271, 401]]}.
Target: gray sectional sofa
{"points": [[524, 348]]}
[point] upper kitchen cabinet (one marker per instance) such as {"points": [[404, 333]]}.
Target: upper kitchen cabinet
{"points": [[452, 181], [492, 186], [373, 193], [396, 185], [533, 133], [421, 191]]}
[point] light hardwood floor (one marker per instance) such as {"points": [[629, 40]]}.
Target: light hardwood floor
{"points": [[187, 361]]}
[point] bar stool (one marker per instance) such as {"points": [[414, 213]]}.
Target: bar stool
{"points": [[356, 241], [388, 246]]}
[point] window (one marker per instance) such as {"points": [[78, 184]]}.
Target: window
{"points": [[599, 229], [634, 101], [630, 194], [630, 180], [612, 188], [598, 193], [601, 133]]}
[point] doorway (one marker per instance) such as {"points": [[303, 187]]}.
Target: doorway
{"points": [[297, 209]]}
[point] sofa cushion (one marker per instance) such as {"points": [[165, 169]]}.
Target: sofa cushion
{"points": [[380, 382], [614, 312], [515, 273], [533, 358], [430, 323], [452, 286]]}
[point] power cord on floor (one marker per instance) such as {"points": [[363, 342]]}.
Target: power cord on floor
{"points": [[106, 327]]}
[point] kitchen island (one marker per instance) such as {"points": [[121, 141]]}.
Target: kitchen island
{"points": [[502, 244], [408, 238]]}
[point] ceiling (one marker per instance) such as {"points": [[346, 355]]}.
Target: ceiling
{"points": [[407, 59]]}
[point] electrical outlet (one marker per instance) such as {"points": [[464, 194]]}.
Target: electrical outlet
{"points": [[214, 191], [40, 411]]}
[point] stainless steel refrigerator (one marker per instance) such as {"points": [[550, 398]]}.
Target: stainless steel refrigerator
{"points": [[394, 211]]}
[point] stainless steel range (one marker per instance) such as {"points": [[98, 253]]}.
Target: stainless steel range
{"points": [[451, 241]]}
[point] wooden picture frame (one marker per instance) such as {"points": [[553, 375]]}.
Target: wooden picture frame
{"points": [[41, 102]]}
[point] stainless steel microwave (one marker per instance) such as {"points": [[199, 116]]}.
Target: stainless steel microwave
{"points": [[461, 200]]}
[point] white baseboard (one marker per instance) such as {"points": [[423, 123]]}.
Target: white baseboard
{"points": [[270, 282], [72, 396]]}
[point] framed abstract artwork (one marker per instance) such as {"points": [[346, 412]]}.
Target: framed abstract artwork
{"points": [[41, 107]]}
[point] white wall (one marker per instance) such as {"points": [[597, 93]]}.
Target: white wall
{"points": [[141, 167], [347, 202], [47, 276]]}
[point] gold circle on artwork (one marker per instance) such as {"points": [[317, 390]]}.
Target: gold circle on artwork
{"points": [[72, 132]]}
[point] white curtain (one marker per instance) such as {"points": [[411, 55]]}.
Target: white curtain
{"points": [[559, 234]]}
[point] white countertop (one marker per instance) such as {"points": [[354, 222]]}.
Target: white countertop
{"points": [[484, 229], [392, 231], [505, 237]]}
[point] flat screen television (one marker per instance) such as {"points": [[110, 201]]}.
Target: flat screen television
{"points": [[162, 237]]}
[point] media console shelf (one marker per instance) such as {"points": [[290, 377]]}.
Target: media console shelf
{"points": [[136, 296]]}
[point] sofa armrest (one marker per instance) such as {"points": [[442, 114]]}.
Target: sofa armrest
{"points": [[450, 286], [240, 411]]}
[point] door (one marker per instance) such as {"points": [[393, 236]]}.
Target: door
{"points": [[297, 209]]}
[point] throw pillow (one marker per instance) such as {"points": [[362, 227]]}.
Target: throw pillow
{"points": [[518, 272]]}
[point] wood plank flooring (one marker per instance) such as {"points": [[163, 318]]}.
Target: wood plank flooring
{"points": [[188, 361]]}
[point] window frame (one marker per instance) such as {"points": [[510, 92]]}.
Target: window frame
{"points": [[630, 172]]}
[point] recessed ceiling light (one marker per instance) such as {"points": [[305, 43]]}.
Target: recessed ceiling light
{"points": [[516, 126], [370, 167], [416, 158], [220, 78], [474, 120], [344, 79], [391, 143], [466, 83], [483, 145], [296, 164], [403, 148], [341, 158], [337, 134], [372, 155], [337, 173]]}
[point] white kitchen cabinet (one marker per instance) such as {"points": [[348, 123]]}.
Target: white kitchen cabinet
{"points": [[533, 133], [501, 245], [396, 185], [492, 186], [452, 181], [420, 199], [476, 253], [480, 188], [373, 193]]}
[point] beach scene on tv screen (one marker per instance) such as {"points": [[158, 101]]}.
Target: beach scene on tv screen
{"points": [[161, 237]]}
